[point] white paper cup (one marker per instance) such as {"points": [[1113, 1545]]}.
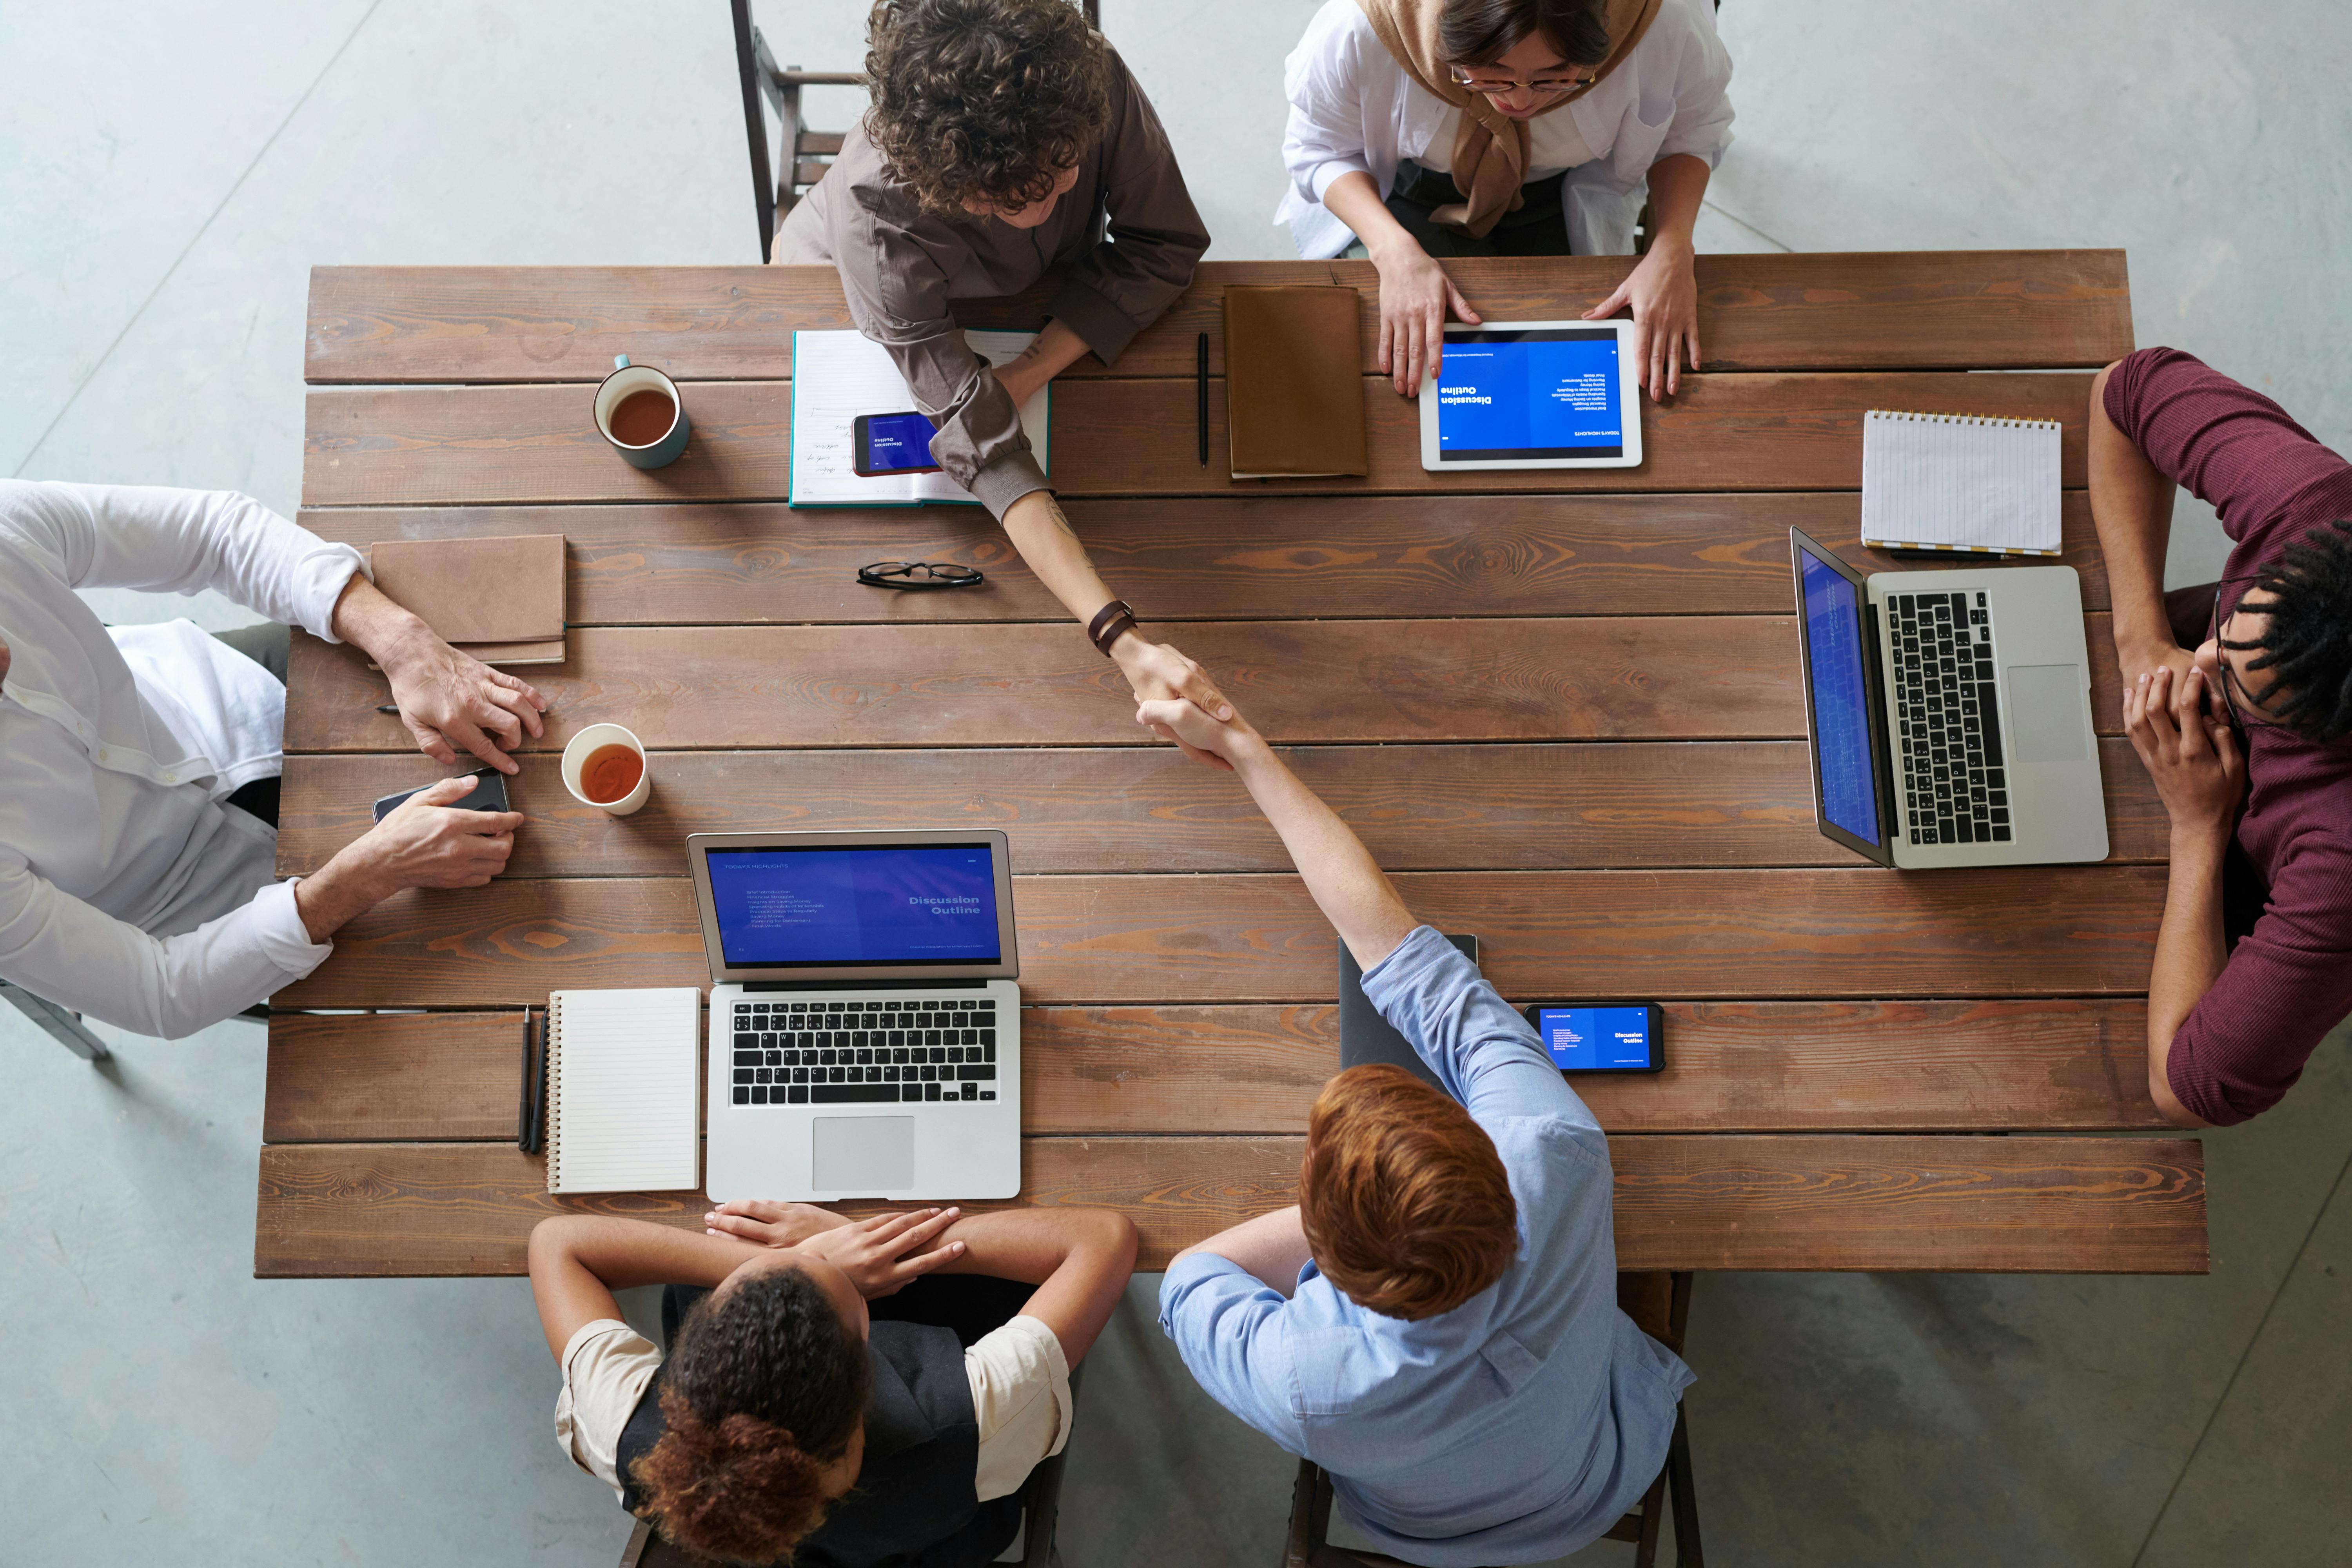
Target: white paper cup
{"points": [[592, 739]]}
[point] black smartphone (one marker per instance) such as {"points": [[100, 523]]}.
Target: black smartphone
{"points": [[892, 444], [489, 794], [1602, 1036]]}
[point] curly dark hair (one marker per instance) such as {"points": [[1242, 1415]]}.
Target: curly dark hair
{"points": [[1480, 32], [764, 1387], [2308, 643], [990, 100]]}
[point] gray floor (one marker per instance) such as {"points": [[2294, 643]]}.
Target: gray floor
{"points": [[168, 173]]}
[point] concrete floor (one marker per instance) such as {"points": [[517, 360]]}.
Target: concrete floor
{"points": [[169, 173]]}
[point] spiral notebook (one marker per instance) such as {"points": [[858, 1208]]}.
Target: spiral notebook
{"points": [[1965, 482], [622, 1078]]}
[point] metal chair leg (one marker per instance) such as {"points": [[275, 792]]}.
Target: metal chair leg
{"points": [[1687, 1551], [66, 1029]]}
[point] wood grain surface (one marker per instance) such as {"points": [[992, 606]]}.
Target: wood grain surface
{"points": [[1231, 557], [2057, 1064], [1440, 807], [1661, 678], [1664, 935], [1889, 310], [1730, 1201], [456, 445]]}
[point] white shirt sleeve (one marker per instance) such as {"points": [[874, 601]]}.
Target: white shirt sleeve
{"points": [[181, 542], [1324, 137], [607, 1366], [61, 949], [1021, 1395], [1703, 114]]}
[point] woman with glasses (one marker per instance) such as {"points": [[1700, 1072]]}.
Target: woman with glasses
{"points": [[2240, 691], [1425, 129]]}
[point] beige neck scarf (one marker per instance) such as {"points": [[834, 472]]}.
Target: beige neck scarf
{"points": [[1490, 149]]}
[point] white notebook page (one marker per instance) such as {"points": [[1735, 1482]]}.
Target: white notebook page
{"points": [[622, 1086], [1959, 481], [838, 375]]}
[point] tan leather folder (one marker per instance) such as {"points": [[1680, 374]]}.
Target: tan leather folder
{"points": [[499, 599], [1293, 388]]}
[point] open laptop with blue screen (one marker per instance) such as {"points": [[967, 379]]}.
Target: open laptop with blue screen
{"points": [[1533, 395], [864, 1026], [1948, 712]]}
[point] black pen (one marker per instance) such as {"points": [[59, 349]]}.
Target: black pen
{"points": [[1201, 384], [523, 1105]]}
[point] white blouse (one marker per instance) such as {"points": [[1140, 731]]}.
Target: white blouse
{"points": [[1354, 109], [129, 888], [1020, 1399]]}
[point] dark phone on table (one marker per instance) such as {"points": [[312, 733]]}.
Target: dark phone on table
{"points": [[489, 794], [892, 444], [1602, 1036]]}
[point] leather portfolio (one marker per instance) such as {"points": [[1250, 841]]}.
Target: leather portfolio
{"points": [[1294, 382], [499, 599]]}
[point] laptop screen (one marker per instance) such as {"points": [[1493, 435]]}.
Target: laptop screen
{"points": [[1841, 697], [850, 906]]}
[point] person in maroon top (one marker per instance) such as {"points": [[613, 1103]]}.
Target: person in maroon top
{"points": [[2238, 697]]}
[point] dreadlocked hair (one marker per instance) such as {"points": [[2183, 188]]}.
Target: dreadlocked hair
{"points": [[763, 1389], [2308, 644]]}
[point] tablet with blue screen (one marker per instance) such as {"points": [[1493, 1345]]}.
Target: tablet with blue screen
{"points": [[1533, 395]]}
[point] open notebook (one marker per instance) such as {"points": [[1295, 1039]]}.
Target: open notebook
{"points": [[838, 375], [1967, 482], [623, 1091]]}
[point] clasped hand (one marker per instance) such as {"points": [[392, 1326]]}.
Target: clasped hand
{"points": [[1159, 673], [880, 1253], [2192, 755]]}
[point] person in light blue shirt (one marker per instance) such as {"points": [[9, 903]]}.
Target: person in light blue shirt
{"points": [[1435, 1323]]}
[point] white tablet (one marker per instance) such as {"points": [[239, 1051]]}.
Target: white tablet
{"points": [[1533, 395]]}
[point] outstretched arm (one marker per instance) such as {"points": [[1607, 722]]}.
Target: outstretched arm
{"points": [[1351, 891], [2131, 507]]}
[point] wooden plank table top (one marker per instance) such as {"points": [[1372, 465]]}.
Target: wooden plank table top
{"points": [[1562, 707]]}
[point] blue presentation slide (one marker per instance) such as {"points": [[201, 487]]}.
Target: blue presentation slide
{"points": [[1590, 1037], [1841, 700], [899, 441], [1550, 393], [934, 903]]}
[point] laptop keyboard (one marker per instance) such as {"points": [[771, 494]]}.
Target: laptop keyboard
{"points": [[861, 1053], [1955, 787]]}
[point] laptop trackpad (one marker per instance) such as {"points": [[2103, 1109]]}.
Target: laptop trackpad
{"points": [[864, 1153], [2045, 712]]}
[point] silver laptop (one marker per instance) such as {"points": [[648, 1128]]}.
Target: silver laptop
{"points": [[864, 1027], [1949, 712]]}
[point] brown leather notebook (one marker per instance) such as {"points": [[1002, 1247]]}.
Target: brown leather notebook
{"points": [[499, 599], [1294, 383]]}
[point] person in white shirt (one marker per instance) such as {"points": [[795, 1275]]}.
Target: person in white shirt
{"points": [[134, 886], [836, 1392], [1438, 127]]}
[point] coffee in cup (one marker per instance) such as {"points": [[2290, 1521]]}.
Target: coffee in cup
{"points": [[605, 767], [638, 410]]}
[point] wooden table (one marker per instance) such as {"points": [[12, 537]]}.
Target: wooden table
{"points": [[1562, 707]]}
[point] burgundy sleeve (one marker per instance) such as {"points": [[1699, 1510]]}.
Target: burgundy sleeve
{"points": [[2285, 985], [2229, 446]]}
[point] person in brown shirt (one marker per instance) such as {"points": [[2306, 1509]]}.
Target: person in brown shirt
{"points": [[1007, 138]]}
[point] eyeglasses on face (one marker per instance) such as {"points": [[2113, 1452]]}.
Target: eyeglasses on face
{"points": [[1497, 82], [918, 575]]}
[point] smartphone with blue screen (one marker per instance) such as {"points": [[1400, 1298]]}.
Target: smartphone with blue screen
{"points": [[1602, 1036], [891, 443]]}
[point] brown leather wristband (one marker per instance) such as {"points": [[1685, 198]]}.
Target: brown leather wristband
{"points": [[1110, 623]]}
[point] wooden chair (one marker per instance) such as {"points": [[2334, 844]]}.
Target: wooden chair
{"points": [[804, 155], [1041, 1509], [1663, 1315]]}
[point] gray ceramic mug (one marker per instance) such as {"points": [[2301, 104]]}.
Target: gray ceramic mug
{"points": [[654, 451]]}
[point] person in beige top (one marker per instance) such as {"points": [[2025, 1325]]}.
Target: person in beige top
{"points": [[792, 1417], [1007, 140]]}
